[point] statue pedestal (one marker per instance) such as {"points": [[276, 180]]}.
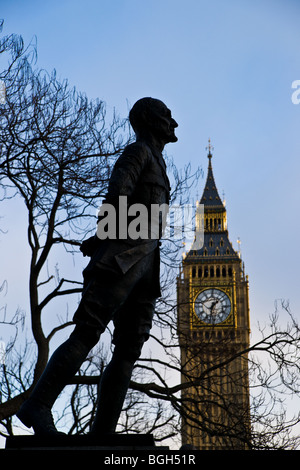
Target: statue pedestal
{"points": [[84, 442]]}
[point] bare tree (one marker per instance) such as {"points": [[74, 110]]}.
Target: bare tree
{"points": [[57, 150]]}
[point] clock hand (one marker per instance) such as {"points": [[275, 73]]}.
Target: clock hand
{"points": [[213, 306]]}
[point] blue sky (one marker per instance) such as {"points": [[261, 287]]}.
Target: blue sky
{"points": [[225, 68]]}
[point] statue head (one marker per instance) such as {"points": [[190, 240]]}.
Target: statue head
{"points": [[151, 117]]}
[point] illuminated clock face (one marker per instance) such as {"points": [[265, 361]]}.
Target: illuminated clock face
{"points": [[212, 306]]}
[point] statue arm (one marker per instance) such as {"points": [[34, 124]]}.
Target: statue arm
{"points": [[126, 173]]}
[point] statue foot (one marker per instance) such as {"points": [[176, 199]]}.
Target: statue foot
{"points": [[39, 417]]}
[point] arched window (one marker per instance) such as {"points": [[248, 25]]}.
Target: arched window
{"points": [[224, 271], [218, 271], [212, 272]]}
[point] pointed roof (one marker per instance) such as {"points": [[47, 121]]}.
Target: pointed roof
{"points": [[210, 197], [216, 243]]}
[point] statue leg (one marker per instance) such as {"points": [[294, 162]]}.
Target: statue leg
{"points": [[132, 326], [112, 391], [62, 366]]}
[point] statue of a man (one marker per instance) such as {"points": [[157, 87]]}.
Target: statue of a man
{"points": [[121, 281]]}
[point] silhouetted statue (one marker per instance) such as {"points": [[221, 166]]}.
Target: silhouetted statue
{"points": [[121, 281]]}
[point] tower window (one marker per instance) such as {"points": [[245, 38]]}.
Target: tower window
{"points": [[212, 272], [206, 271], [199, 272], [221, 242], [217, 252], [224, 271], [211, 242], [230, 272], [218, 271], [194, 272]]}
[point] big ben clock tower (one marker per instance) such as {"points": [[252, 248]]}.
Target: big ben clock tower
{"points": [[213, 329]]}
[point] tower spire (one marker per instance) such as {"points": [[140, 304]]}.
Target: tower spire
{"points": [[210, 196]]}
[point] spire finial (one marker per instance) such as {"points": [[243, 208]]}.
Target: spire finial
{"points": [[209, 148]]}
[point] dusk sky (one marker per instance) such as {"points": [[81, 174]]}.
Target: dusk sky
{"points": [[225, 69]]}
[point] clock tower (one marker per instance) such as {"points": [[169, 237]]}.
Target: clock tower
{"points": [[213, 329]]}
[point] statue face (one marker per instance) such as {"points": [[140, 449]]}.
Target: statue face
{"points": [[164, 125]]}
